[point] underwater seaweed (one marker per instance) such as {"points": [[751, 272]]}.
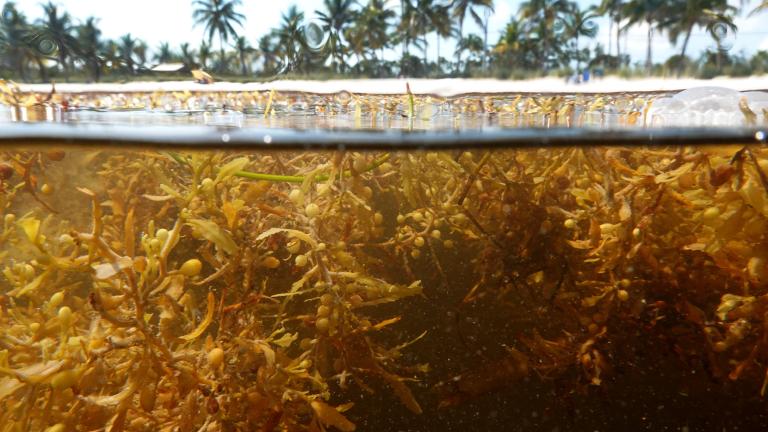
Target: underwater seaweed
{"points": [[144, 289]]}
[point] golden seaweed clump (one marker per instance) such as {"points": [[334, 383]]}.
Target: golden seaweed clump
{"points": [[222, 290], [191, 297]]}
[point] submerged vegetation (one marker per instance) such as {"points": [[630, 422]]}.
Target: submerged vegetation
{"points": [[272, 290], [375, 39], [294, 291]]}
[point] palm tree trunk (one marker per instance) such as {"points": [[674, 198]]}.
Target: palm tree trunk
{"points": [[380, 64], [437, 41], [402, 56], [458, 52], [578, 56], [485, 46], [649, 52], [41, 68], [682, 52], [221, 51], [618, 38], [426, 61], [64, 67], [610, 36], [406, 53], [96, 71], [719, 57], [242, 64], [357, 66]]}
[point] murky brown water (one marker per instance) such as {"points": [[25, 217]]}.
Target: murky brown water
{"points": [[152, 282]]}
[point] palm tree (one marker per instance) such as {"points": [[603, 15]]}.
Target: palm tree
{"points": [[511, 48], [218, 17], [472, 44], [369, 35], [443, 27], [187, 55], [126, 48], [649, 11], [761, 7], [244, 49], [720, 23], [483, 24], [164, 53], [290, 39], [268, 52], [421, 21], [613, 9], [89, 40], [357, 43], [204, 53], [14, 42], [542, 21], [580, 23], [685, 15], [428, 17], [336, 17], [55, 36], [408, 32], [373, 25], [111, 55], [460, 10], [141, 50]]}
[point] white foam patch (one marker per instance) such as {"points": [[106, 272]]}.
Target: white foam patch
{"points": [[707, 106]]}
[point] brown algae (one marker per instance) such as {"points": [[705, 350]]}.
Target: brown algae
{"points": [[158, 291]]}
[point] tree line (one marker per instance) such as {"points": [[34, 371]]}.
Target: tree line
{"points": [[359, 37]]}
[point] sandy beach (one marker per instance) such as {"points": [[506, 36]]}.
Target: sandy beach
{"points": [[441, 87]]}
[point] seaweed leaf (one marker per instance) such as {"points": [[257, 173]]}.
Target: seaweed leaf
{"points": [[231, 168], [214, 234], [116, 399], [205, 322], [291, 233], [32, 286], [330, 416]]}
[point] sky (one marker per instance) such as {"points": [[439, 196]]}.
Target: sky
{"points": [[156, 21]]}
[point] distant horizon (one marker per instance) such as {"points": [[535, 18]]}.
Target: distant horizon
{"points": [[148, 21]]}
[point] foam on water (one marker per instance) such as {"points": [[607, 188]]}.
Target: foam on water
{"points": [[707, 107]]}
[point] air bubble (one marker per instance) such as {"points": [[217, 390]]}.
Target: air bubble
{"points": [[723, 36], [47, 46], [315, 37]]}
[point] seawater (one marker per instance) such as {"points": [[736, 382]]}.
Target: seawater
{"points": [[526, 279]]}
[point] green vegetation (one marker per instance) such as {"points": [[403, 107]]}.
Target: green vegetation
{"points": [[350, 39]]}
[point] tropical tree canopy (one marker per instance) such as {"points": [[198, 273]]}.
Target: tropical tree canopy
{"points": [[219, 18], [371, 38]]}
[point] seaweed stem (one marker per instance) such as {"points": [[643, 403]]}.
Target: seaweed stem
{"points": [[411, 102], [300, 179]]}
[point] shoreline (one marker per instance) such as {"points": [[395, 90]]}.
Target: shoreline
{"points": [[420, 86]]}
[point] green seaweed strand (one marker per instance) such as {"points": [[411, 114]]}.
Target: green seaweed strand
{"points": [[411, 102], [288, 178], [300, 179], [270, 177]]}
